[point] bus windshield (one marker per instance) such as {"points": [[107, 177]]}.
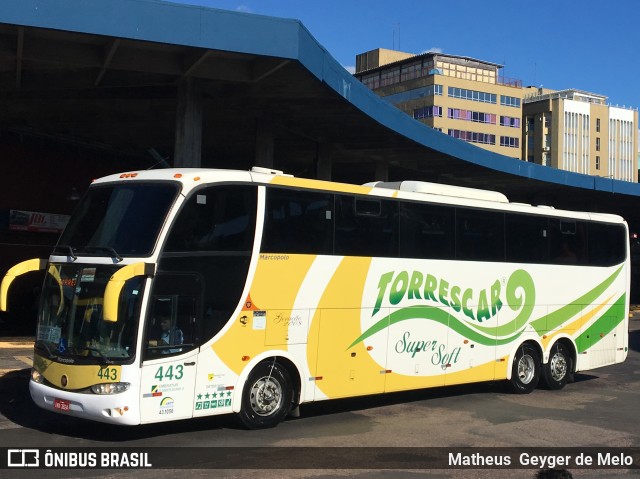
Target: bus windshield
{"points": [[118, 220], [70, 324]]}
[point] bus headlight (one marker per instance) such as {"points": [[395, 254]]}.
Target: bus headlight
{"points": [[36, 377], [109, 388]]}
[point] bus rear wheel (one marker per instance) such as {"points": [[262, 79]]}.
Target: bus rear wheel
{"points": [[267, 396], [557, 371], [525, 372]]}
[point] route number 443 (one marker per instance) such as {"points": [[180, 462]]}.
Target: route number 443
{"points": [[170, 373], [110, 374]]}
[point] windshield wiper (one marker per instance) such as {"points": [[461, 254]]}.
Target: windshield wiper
{"points": [[46, 346], [104, 359], [68, 249], [108, 249]]}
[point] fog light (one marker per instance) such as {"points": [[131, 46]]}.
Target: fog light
{"points": [[36, 377], [109, 388]]}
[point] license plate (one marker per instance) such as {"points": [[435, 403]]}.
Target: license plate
{"points": [[61, 404]]}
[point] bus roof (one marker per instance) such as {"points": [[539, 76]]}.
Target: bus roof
{"points": [[412, 190]]}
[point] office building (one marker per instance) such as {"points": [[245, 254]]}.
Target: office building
{"points": [[577, 131], [463, 97]]}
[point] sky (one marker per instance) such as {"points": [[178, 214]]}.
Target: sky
{"points": [[589, 45]]}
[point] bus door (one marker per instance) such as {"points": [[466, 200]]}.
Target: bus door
{"points": [[170, 348]]}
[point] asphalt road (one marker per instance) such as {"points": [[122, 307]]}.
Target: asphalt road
{"points": [[597, 411]]}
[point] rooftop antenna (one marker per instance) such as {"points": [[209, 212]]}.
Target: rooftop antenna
{"points": [[396, 33]]}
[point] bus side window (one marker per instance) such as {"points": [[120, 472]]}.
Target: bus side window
{"points": [[606, 244], [366, 227], [527, 238], [568, 242], [298, 222], [479, 235], [427, 231], [219, 218]]}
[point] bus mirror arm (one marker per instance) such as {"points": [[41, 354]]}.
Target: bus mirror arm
{"points": [[35, 264], [115, 285]]}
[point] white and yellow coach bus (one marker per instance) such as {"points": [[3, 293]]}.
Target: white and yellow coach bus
{"points": [[184, 293]]}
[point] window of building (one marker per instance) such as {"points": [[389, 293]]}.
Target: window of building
{"points": [[372, 81], [477, 116], [510, 101], [597, 144], [390, 77], [509, 121], [411, 71], [473, 136], [510, 142], [597, 162], [597, 125], [427, 112], [531, 123], [472, 95]]}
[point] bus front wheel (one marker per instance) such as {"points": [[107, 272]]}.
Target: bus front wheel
{"points": [[267, 396], [525, 372]]}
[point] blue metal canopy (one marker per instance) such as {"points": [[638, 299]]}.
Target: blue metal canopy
{"points": [[235, 32]]}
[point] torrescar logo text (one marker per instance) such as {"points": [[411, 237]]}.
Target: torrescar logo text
{"points": [[398, 286]]}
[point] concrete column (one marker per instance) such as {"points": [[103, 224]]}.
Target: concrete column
{"points": [[188, 140], [264, 143], [382, 171], [323, 162]]}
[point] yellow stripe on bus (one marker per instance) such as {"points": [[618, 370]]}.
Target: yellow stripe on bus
{"points": [[575, 326], [320, 185], [276, 283]]}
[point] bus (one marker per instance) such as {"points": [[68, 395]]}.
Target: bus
{"points": [[181, 293]]}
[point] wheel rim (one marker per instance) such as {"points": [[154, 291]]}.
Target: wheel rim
{"points": [[526, 369], [266, 396], [558, 366]]}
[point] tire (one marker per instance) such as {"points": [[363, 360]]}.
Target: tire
{"points": [[525, 372], [557, 372], [267, 396]]}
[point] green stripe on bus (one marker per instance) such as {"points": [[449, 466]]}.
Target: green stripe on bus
{"points": [[555, 319], [542, 325], [603, 326], [432, 313]]}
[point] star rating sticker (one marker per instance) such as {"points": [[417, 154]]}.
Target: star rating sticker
{"points": [[215, 395], [228, 393], [199, 396], [206, 396]]}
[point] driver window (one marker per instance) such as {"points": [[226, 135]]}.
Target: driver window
{"points": [[171, 318]]}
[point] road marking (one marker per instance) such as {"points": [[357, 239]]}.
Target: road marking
{"points": [[6, 424], [25, 359], [16, 345]]}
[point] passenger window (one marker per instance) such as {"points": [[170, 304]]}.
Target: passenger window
{"points": [[216, 218], [527, 239], [606, 244], [366, 227], [298, 222], [427, 231], [479, 235], [568, 242]]}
